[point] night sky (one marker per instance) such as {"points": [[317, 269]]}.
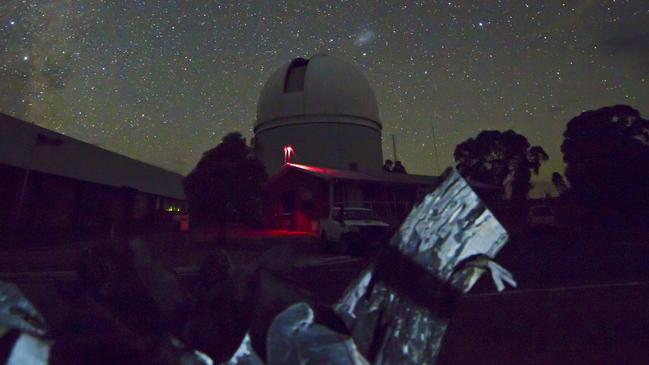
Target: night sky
{"points": [[163, 81]]}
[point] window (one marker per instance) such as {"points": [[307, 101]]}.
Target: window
{"points": [[288, 202], [360, 214], [295, 76]]}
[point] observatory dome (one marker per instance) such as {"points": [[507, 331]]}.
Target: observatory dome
{"points": [[325, 109], [322, 85]]}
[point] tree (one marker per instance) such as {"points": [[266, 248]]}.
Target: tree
{"points": [[226, 184], [607, 158], [559, 183], [500, 158]]}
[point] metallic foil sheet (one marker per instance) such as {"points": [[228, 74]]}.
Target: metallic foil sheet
{"points": [[294, 338], [391, 321], [16, 311]]}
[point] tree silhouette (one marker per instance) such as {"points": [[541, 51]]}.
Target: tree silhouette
{"points": [[500, 158], [225, 186], [607, 158], [559, 183]]}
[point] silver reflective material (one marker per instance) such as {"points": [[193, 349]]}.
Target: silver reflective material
{"points": [[195, 358], [18, 312], [293, 338], [447, 234], [347, 305], [245, 354], [29, 350], [475, 265], [451, 224]]}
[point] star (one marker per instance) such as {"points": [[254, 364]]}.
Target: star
{"points": [[195, 69]]}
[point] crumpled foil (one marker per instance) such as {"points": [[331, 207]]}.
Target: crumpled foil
{"points": [[391, 321], [294, 338], [245, 354], [29, 350], [17, 312]]}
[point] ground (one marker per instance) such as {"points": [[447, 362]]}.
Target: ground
{"points": [[578, 301]]}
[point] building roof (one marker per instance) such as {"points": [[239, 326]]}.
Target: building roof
{"points": [[29, 146], [322, 85], [383, 176]]}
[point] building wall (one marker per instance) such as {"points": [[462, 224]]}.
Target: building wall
{"points": [[57, 209], [295, 201], [285, 206], [326, 141], [392, 202]]}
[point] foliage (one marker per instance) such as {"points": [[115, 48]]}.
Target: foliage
{"points": [[226, 184], [607, 157], [500, 159], [559, 183]]}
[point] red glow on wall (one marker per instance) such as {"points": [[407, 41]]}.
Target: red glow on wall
{"points": [[288, 153], [273, 233]]}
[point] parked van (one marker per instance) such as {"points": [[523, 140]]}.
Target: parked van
{"points": [[541, 217], [351, 226]]}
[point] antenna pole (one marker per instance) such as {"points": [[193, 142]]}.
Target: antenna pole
{"points": [[435, 147]]}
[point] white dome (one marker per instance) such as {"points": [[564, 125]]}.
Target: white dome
{"points": [[326, 110], [321, 86]]}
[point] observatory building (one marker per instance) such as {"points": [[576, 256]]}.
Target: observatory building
{"points": [[326, 110], [318, 133]]}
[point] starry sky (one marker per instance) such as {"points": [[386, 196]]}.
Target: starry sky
{"points": [[163, 81]]}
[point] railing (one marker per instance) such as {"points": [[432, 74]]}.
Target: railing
{"points": [[389, 210]]}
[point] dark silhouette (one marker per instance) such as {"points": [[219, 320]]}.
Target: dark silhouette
{"points": [[559, 183], [388, 165], [399, 168], [225, 186], [607, 159], [500, 158]]}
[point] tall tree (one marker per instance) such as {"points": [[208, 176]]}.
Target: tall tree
{"points": [[226, 184], [500, 158], [607, 157]]}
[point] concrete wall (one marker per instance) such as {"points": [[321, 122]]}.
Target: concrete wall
{"points": [[334, 142]]}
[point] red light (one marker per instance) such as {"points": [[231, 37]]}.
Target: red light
{"points": [[288, 152], [320, 170]]}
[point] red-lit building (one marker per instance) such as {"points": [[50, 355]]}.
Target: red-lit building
{"points": [[299, 195]]}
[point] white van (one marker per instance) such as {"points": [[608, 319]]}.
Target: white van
{"points": [[353, 223], [540, 217]]}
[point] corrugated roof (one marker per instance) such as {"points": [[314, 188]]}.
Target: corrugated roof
{"points": [[383, 176], [29, 146]]}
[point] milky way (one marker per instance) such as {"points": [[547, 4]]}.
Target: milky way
{"points": [[163, 81]]}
